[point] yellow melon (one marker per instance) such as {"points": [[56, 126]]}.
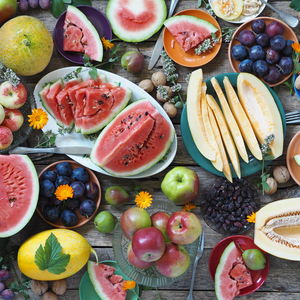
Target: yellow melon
{"points": [[227, 9]]}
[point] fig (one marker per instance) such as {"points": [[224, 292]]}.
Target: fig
{"points": [[132, 61], [116, 195]]}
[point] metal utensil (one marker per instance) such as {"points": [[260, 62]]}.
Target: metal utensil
{"points": [[58, 150], [287, 18], [159, 43], [200, 251]]}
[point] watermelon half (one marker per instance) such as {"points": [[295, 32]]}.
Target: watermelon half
{"points": [[136, 20], [19, 192], [134, 141], [189, 31]]}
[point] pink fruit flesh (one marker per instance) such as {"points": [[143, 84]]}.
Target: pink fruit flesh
{"points": [[242, 276], [6, 137], [135, 261], [13, 119]]}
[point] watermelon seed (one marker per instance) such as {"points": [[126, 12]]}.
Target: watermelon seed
{"points": [[12, 201]]}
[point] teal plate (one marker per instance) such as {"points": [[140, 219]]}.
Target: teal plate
{"points": [[254, 165], [87, 291]]}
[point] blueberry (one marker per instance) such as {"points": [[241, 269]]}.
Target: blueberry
{"points": [[286, 65], [239, 52], [87, 207], [257, 52], [91, 190], [262, 39], [260, 68], [4, 274], [288, 50], [278, 42], [69, 218], [47, 188], [272, 56], [73, 203], [246, 65], [78, 189], [51, 175], [7, 294], [60, 180], [258, 26], [80, 174], [64, 169], [51, 213]]}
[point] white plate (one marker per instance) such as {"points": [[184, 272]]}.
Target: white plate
{"points": [[77, 139], [243, 19]]}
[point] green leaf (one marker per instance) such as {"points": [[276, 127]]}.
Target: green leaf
{"points": [[58, 7], [199, 3], [81, 2], [295, 4], [51, 257], [93, 73]]}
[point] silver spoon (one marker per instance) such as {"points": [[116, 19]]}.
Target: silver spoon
{"points": [[287, 18]]}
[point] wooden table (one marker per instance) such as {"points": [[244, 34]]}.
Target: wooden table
{"points": [[284, 277]]}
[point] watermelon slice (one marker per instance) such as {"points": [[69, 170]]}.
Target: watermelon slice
{"points": [[107, 285], [189, 31], [19, 191], [134, 141], [136, 20], [80, 35], [242, 276]]}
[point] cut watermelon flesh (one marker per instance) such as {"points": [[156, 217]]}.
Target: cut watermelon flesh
{"points": [[72, 39], [241, 275], [19, 191]]}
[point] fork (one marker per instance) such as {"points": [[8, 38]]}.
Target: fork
{"points": [[293, 117], [198, 256]]}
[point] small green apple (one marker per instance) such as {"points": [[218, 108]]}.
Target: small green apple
{"points": [[105, 222], [8, 9], [254, 259]]}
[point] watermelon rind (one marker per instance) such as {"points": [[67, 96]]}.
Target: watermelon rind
{"points": [[32, 202], [113, 6]]}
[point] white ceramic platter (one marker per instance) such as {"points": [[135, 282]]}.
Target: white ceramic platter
{"points": [[77, 139]]}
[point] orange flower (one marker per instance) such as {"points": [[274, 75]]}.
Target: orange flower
{"points": [[251, 218], [143, 199], [107, 44], [296, 47], [63, 192], [189, 206], [38, 118], [128, 285]]}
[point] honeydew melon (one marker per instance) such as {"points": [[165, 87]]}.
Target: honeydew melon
{"points": [[227, 10]]}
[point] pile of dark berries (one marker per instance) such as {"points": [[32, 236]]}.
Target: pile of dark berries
{"points": [[5, 292], [227, 206]]}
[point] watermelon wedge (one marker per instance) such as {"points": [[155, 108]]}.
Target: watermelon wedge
{"points": [[136, 20], [189, 31]]}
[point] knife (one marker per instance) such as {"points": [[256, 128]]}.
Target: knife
{"points": [[159, 43], [72, 150]]}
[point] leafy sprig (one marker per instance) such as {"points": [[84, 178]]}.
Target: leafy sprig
{"points": [[207, 44], [7, 74], [59, 6], [47, 140]]}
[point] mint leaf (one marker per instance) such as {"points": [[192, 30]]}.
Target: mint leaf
{"points": [[93, 73], [295, 4], [81, 2], [58, 7], [51, 257]]}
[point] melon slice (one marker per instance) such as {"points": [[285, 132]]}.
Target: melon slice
{"points": [[19, 191], [189, 31], [261, 110], [241, 275], [136, 20], [80, 35], [227, 10]]}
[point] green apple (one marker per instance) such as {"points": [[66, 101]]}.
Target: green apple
{"points": [[105, 222], [180, 185], [8, 9], [254, 259]]}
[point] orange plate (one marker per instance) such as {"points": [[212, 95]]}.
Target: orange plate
{"points": [[294, 149], [190, 59], [288, 34]]}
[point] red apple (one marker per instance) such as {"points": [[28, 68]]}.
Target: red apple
{"points": [[6, 137], [132, 258], [174, 262], [13, 119], [148, 244], [7, 9], [12, 96], [160, 220], [133, 219], [183, 227], [2, 114]]}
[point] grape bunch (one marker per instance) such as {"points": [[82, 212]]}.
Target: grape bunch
{"points": [[264, 52], [26, 4], [5, 293]]}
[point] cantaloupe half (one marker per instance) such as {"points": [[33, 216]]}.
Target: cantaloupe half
{"points": [[217, 135], [194, 116], [261, 110], [218, 163], [277, 228], [231, 122], [242, 120], [226, 136]]}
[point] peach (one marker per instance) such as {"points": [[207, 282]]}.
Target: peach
{"points": [[13, 119], [6, 137]]}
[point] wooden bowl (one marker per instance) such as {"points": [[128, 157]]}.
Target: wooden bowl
{"points": [[81, 219], [288, 34], [294, 149]]}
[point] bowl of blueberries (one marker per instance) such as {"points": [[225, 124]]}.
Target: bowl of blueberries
{"points": [[56, 207], [263, 47]]}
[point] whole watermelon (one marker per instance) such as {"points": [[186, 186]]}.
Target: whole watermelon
{"points": [[26, 45]]}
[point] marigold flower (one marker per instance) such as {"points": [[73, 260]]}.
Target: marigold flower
{"points": [[251, 218], [63, 192], [189, 206], [143, 199], [128, 285], [296, 47], [107, 44], [38, 118]]}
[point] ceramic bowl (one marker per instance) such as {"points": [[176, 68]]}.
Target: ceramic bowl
{"points": [[297, 92], [294, 149]]}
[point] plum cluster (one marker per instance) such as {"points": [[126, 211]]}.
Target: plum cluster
{"points": [[5, 293], [26, 4], [85, 192], [264, 52]]}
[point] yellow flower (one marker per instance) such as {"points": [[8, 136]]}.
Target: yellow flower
{"points": [[296, 47], [38, 118], [143, 199], [63, 192], [128, 285], [107, 44], [189, 206], [251, 218]]}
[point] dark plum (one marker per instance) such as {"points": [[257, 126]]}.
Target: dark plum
{"points": [[272, 56], [246, 38], [64, 169], [2, 286], [80, 174], [239, 52], [51, 175], [260, 68], [61, 180], [277, 42], [44, 4], [288, 50], [262, 39], [43, 202], [258, 26], [73, 203], [274, 28], [33, 3], [286, 65], [47, 188], [91, 190], [4, 275], [69, 218], [51, 213], [256, 53], [246, 66], [23, 5], [87, 207], [7, 294], [78, 189], [273, 76]]}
